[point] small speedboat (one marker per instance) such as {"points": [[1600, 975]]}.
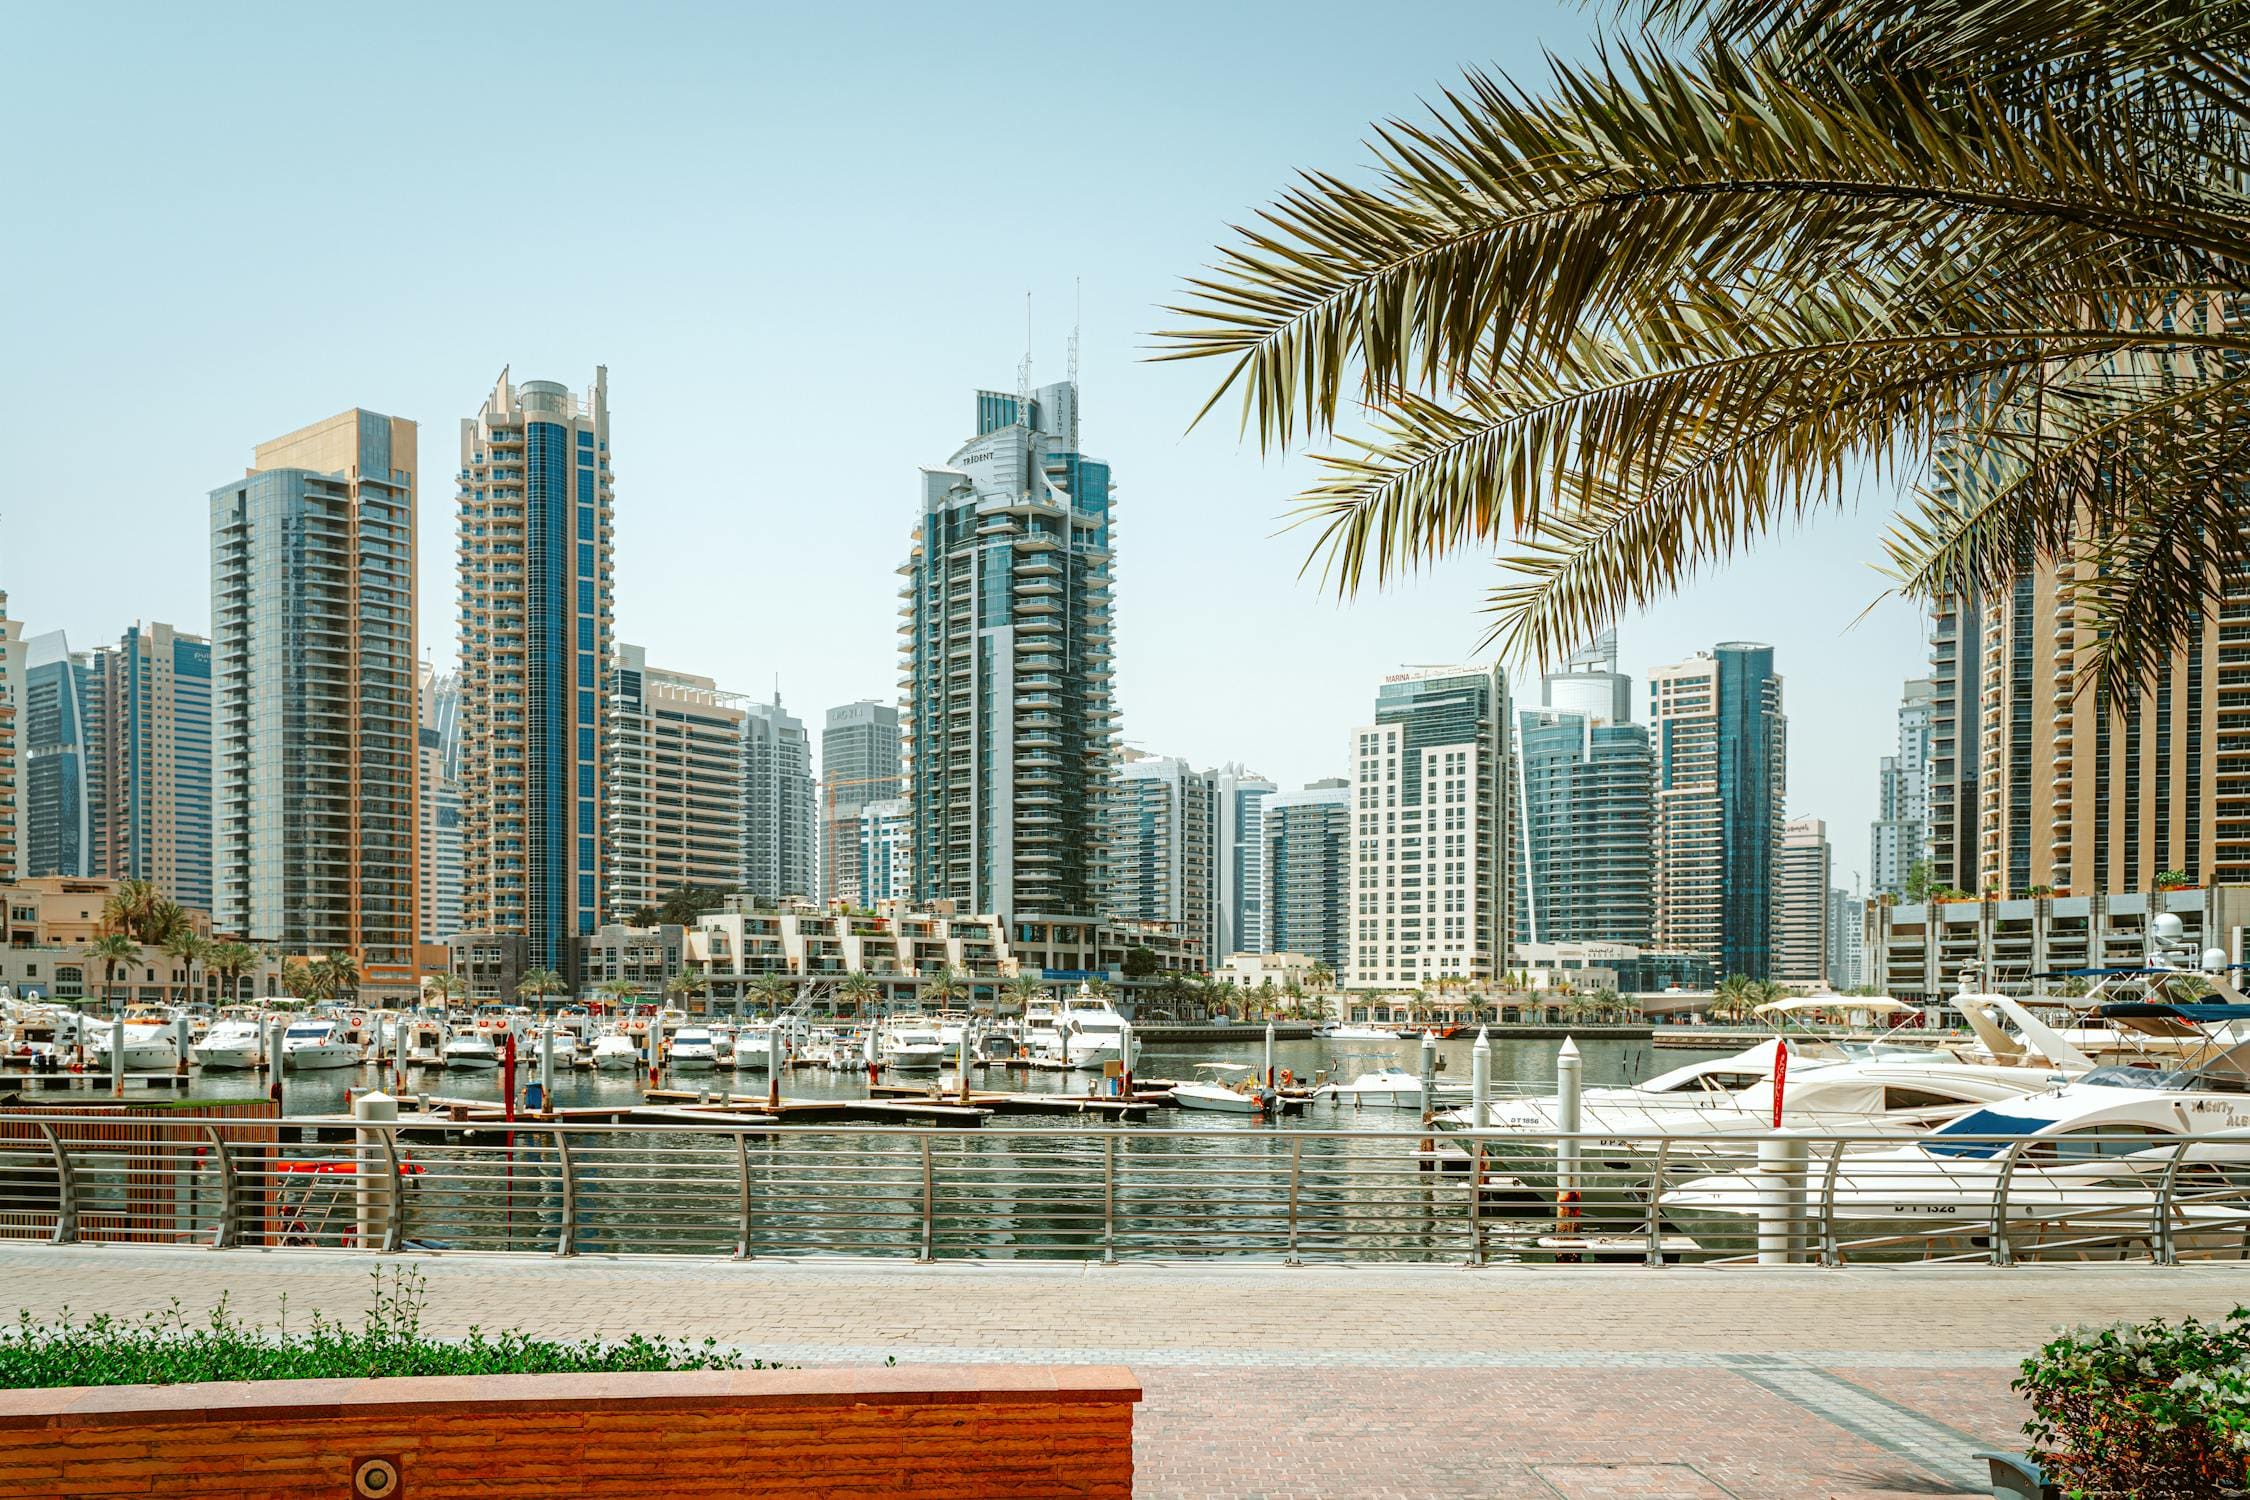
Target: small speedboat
{"points": [[1226, 1088], [1392, 1087], [913, 1049], [472, 1050], [148, 1048], [750, 1045], [228, 1044], [1356, 1032]]}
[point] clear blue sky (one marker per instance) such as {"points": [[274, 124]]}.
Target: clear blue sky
{"points": [[799, 237]]}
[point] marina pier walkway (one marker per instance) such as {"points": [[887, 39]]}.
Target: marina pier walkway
{"points": [[1377, 1382]]}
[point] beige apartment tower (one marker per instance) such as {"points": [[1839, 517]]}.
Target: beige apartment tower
{"points": [[313, 697], [674, 785]]}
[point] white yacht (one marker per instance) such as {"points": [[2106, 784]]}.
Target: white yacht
{"points": [[751, 1043], [694, 1047], [615, 1052], [471, 1051], [149, 1048], [1392, 1087], [1091, 1033], [229, 1044], [312, 1045], [2083, 1162], [912, 1047], [1356, 1031]]}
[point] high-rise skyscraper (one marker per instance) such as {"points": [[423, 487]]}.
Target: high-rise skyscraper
{"points": [[1900, 836], [1586, 870], [886, 855], [1847, 940], [780, 815], [2037, 786], [1158, 860], [154, 718], [1430, 880], [535, 641], [1238, 852], [1801, 901], [674, 785], [1005, 637], [1308, 872], [1589, 683], [313, 687], [15, 802], [859, 764], [1721, 775], [59, 760], [438, 697]]}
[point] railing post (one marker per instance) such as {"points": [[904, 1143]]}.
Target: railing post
{"points": [[2160, 1246], [929, 1202], [394, 1235], [1831, 1249], [376, 1207], [66, 1190], [1655, 1195], [1296, 1181], [742, 1179], [229, 1231], [566, 1242], [1109, 1199], [2003, 1250], [1476, 1201]]}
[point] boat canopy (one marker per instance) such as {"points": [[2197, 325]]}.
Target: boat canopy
{"points": [[2169, 1018]]}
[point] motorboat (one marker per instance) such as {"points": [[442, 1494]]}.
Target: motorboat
{"points": [[694, 1047], [1355, 1031], [229, 1044], [2085, 1163], [149, 1047], [1226, 1088], [752, 1041], [615, 1052], [471, 1051], [1394, 1088], [314, 1045], [911, 1047], [1093, 1034]]}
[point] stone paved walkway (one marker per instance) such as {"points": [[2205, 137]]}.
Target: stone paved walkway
{"points": [[1389, 1383]]}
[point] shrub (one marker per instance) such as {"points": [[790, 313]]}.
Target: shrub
{"points": [[168, 1348], [2154, 1410]]}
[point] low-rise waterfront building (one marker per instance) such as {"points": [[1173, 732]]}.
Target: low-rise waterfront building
{"points": [[645, 957], [1251, 970], [488, 964], [1623, 967], [1918, 950], [899, 945]]}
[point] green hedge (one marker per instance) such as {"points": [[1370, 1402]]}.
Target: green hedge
{"points": [[168, 1348], [2154, 1410]]}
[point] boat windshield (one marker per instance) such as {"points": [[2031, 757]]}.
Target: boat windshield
{"points": [[307, 1029], [1089, 1024], [1981, 1122]]}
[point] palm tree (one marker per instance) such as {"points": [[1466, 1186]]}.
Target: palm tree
{"points": [[537, 984], [299, 981], [1732, 1000], [445, 989], [183, 947], [947, 987], [1021, 991], [1321, 976], [688, 984], [773, 991], [230, 961], [1635, 319], [862, 990], [336, 977], [165, 917], [109, 950], [127, 907]]}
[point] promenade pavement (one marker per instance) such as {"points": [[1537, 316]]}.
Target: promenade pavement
{"points": [[1270, 1383]]}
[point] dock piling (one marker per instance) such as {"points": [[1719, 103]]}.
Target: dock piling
{"points": [[117, 1057], [1480, 1081]]}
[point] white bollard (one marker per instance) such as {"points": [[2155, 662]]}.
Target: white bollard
{"points": [[774, 1061], [1272, 1077], [117, 1057], [1570, 1074], [1480, 1081], [1782, 1161], [547, 1069], [373, 1175], [656, 1049], [181, 1041], [276, 1065], [1429, 1075]]}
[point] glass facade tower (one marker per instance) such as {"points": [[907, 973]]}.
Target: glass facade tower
{"points": [[1586, 871], [535, 646], [1006, 656], [1721, 758]]}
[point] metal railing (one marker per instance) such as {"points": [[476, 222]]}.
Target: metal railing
{"points": [[1109, 1194]]}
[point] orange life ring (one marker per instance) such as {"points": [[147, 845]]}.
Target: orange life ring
{"points": [[1287, 1078]]}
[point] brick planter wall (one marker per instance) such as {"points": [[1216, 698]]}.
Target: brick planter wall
{"points": [[998, 1430]]}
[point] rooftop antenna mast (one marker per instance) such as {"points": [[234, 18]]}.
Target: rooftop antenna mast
{"points": [[1077, 316], [1023, 371]]}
